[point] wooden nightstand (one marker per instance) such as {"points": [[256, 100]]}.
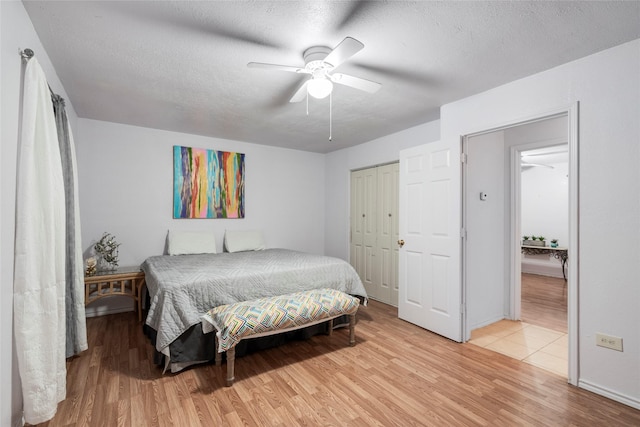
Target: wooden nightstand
{"points": [[126, 281]]}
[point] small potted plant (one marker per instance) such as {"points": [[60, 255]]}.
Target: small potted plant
{"points": [[107, 251], [536, 241], [554, 243], [525, 240]]}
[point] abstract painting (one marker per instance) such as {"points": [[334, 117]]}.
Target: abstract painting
{"points": [[207, 183]]}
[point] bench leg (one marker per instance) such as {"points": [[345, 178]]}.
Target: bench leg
{"points": [[218, 355], [231, 356], [352, 330], [330, 333]]}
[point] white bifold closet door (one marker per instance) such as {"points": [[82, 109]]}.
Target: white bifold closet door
{"points": [[374, 230]]}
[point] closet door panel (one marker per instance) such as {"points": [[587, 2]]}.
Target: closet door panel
{"points": [[363, 228], [395, 235], [374, 230], [386, 219], [356, 249], [369, 274]]}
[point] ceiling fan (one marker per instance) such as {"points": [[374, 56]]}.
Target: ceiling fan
{"points": [[533, 153], [320, 61], [535, 165]]}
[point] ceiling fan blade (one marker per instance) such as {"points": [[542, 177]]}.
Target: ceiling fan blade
{"points": [[533, 165], [345, 50], [301, 93], [412, 77], [354, 9], [355, 82], [193, 23], [278, 67], [547, 153]]}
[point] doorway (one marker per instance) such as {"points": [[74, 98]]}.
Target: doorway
{"points": [[544, 223], [491, 201]]}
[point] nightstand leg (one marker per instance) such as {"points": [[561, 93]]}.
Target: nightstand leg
{"points": [[140, 286]]}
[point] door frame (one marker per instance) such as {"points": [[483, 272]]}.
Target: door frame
{"points": [[572, 113]]}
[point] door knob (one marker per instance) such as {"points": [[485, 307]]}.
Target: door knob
{"points": [[401, 243]]}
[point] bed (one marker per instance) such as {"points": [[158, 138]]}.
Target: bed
{"points": [[182, 288]]}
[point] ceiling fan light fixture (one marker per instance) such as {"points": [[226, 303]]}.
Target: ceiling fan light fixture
{"points": [[319, 87]]}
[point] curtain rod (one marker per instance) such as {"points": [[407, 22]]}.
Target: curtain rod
{"points": [[27, 54]]}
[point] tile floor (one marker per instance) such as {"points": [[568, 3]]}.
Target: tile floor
{"points": [[541, 347]]}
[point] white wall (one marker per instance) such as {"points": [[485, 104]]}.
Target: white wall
{"points": [[16, 33], [608, 88], [545, 212], [338, 166], [487, 228], [545, 202], [125, 176]]}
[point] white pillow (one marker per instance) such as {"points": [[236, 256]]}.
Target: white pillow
{"points": [[238, 241], [191, 242]]}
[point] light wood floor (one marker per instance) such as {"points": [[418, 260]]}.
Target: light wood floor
{"points": [[396, 375], [544, 302]]}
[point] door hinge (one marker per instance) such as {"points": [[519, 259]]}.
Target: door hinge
{"points": [[463, 157], [463, 308], [463, 233]]}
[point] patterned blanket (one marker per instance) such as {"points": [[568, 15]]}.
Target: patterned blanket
{"points": [[235, 322], [182, 288]]}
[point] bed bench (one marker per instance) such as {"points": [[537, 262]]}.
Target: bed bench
{"points": [[273, 315]]}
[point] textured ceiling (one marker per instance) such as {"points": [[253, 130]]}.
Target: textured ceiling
{"points": [[182, 66]]}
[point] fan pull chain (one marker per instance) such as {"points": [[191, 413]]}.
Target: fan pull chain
{"points": [[307, 103], [330, 114]]}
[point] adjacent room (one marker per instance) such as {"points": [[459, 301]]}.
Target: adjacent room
{"points": [[536, 203], [319, 213]]}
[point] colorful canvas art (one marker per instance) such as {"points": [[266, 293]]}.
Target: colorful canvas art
{"points": [[207, 183]]}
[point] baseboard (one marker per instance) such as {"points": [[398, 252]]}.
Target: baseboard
{"points": [[613, 395], [542, 268], [103, 311], [486, 323]]}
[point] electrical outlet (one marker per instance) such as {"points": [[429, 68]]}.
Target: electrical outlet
{"points": [[609, 341]]}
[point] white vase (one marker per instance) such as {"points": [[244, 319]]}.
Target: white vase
{"points": [[104, 265]]}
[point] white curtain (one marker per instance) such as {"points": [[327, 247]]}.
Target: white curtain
{"points": [[39, 276]]}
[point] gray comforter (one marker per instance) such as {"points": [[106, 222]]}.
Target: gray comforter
{"points": [[184, 287]]}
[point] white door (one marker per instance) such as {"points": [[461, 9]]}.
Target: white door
{"points": [[388, 232], [429, 261], [363, 227]]}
